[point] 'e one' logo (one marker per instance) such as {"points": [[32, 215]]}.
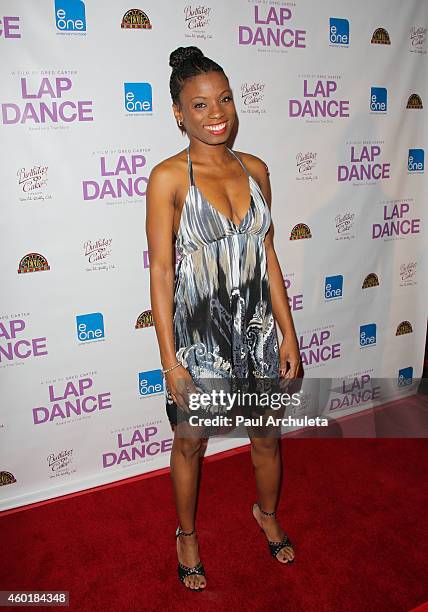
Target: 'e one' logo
{"points": [[378, 101], [416, 160], [339, 31], [150, 382], [90, 326], [138, 97], [405, 376], [70, 15], [368, 334], [333, 287]]}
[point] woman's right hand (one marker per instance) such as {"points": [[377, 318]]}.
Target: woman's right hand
{"points": [[180, 384]]}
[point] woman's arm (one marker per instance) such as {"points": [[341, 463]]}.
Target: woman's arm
{"points": [[289, 350], [160, 234]]}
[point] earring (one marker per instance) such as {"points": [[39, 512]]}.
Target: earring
{"points": [[180, 123]]}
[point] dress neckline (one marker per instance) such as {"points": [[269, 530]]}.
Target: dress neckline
{"points": [[221, 214]]}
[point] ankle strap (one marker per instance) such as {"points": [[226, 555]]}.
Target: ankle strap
{"points": [[266, 513], [180, 532]]}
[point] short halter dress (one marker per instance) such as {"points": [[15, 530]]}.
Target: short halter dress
{"points": [[222, 313]]}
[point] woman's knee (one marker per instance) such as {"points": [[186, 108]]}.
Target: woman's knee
{"points": [[188, 447], [265, 444]]}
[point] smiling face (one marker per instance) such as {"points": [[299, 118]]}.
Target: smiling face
{"points": [[206, 107]]}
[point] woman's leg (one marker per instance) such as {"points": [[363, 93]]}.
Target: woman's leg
{"points": [[185, 463], [266, 459]]}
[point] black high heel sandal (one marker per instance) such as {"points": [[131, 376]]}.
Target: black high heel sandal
{"points": [[275, 547], [185, 570]]}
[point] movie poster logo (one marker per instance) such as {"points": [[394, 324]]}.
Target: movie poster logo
{"points": [[270, 30], [339, 32], [70, 17], [404, 327], [138, 99], [6, 478], [414, 102], [150, 383], [90, 327], [139, 444], [135, 19], [252, 95], [405, 377], [59, 463], [70, 399], [46, 102], [320, 100], [295, 300], [333, 287], [380, 37], [357, 391], [32, 183], [306, 164], [417, 39], [10, 27], [98, 255], [144, 320], [368, 335], [318, 347], [398, 221], [378, 100], [370, 281], [197, 20], [121, 177], [301, 231], [416, 161], [33, 262], [17, 343], [407, 274], [344, 223], [365, 164]]}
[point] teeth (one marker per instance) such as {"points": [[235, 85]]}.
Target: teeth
{"points": [[216, 128]]}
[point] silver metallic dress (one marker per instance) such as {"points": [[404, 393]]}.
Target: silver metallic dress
{"points": [[223, 323]]}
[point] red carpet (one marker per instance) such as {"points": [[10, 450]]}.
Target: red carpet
{"points": [[354, 508]]}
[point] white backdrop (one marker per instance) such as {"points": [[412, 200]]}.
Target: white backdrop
{"points": [[331, 95]]}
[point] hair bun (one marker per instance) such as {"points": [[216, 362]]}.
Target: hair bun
{"points": [[182, 54]]}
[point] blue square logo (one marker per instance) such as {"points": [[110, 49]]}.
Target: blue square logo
{"points": [[333, 287], [339, 31], [138, 97], [150, 382], [90, 326], [405, 376], [416, 161], [70, 15], [378, 99], [368, 334]]}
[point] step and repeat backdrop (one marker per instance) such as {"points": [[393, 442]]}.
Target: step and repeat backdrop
{"points": [[330, 95]]}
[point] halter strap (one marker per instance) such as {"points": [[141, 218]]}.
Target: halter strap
{"points": [[189, 167], [240, 161]]}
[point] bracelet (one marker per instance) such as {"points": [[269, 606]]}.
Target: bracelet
{"points": [[169, 369]]}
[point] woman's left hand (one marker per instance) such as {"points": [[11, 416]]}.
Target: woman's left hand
{"points": [[289, 355]]}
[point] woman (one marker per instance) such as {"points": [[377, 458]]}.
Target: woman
{"points": [[215, 317]]}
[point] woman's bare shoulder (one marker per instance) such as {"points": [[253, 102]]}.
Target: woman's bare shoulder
{"points": [[171, 167], [255, 165]]}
